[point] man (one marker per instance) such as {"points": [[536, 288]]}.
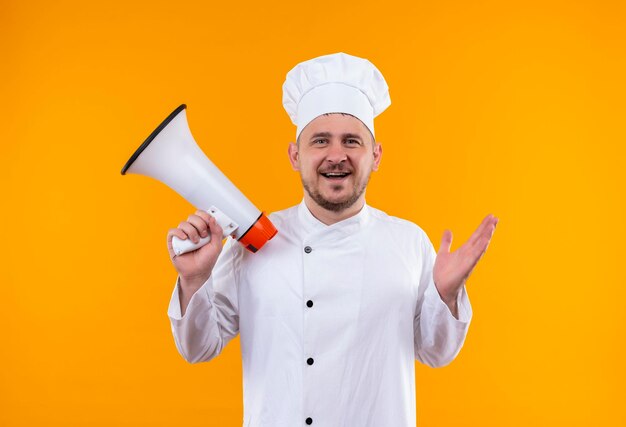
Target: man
{"points": [[335, 309]]}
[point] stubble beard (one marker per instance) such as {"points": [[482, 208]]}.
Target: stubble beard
{"points": [[357, 191]]}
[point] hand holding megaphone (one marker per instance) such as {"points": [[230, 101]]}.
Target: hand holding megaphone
{"points": [[195, 266], [228, 226]]}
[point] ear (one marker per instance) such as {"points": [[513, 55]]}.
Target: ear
{"points": [[378, 154], [294, 156]]}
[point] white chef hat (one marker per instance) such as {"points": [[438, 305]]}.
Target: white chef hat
{"points": [[337, 83]]}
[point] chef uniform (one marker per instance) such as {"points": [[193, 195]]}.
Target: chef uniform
{"points": [[331, 317]]}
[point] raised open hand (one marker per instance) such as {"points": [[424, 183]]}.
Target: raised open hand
{"points": [[452, 269]]}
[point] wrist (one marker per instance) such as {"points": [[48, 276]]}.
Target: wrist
{"points": [[192, 283], [450, 300]]}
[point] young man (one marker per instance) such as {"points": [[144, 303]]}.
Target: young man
{"points": [[335, 309]]}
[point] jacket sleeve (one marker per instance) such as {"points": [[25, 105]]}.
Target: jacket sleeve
{"points": [[212, 316], [439, 336]]}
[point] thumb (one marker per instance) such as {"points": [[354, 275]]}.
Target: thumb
{"points": [[446, 242], [216, 232]]}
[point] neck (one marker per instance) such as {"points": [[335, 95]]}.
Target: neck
{"points": [[330, 217]]}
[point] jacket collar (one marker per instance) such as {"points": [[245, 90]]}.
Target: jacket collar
{"points": [[350, 225]]}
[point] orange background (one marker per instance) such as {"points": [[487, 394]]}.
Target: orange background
{"points": [[515, 108]]}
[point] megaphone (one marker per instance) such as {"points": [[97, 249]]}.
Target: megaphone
{"points": [[171, 155]]}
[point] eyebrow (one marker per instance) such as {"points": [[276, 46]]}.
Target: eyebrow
{"points": [[343, 135]]}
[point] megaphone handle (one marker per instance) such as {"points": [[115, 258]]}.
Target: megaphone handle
{"points": [[183, 246], [228, 227]]}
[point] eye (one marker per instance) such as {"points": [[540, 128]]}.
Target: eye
{"points": [[319, 141], [353, 141]]}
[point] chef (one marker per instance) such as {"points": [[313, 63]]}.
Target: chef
{"points": [[332, 312]]}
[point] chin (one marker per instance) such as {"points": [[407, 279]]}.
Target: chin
{"points": [[336, 204], [334, 201], [336, 198]]}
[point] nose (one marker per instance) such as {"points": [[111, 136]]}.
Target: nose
{"points": [[336, 153]]}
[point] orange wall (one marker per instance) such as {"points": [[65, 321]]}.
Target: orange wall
{"points": [[514, 108]]}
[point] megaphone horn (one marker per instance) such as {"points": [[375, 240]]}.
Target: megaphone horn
{"points": [[171, 155]]}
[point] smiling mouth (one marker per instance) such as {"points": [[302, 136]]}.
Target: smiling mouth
{"points": [[335, 175]]}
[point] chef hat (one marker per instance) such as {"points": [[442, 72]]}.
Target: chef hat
{"points": [[337, 83]]}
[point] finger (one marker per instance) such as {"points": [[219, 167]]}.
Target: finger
{"points": [[216, 231], [476, 252], [204, 215], [486, 229], [200, 224], [446, 242], [170, 235], [190, 231], [488, 232], [481, 248], [479, 230]]}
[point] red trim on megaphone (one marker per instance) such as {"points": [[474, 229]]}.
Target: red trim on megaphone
{"points": [[258, 235]]}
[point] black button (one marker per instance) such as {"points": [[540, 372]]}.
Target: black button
{"points": [[309, 303], [309, 421], [307, 249], [310, 361]]}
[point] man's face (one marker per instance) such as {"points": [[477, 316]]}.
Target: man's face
{"points": [[335, 156]]}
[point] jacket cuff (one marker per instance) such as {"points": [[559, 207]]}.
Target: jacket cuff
{"points": [[202, 295], [463, 305]]}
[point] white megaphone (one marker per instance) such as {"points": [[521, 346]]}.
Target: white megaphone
{"points": [[171, 155]]}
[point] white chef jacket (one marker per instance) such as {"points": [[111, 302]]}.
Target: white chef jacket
{"points": [[331, 317]]}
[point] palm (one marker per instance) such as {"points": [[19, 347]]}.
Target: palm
{"points": [[452, 269]]}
